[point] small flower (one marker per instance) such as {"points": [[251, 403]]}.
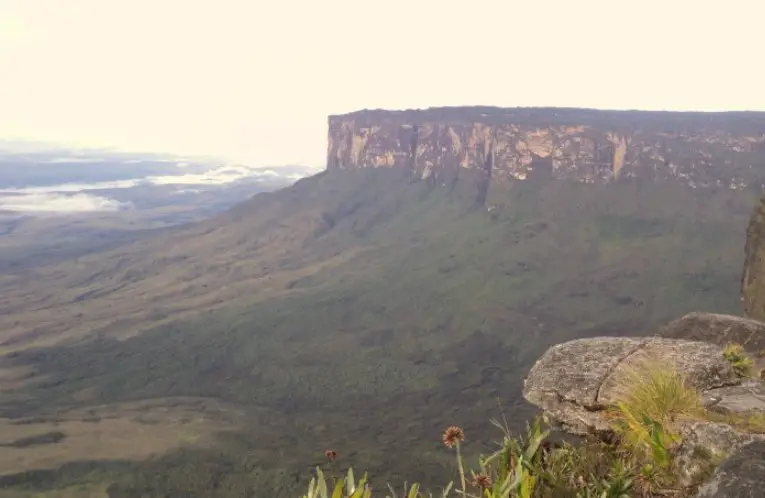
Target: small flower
{"points": [[331, 455], [452, 436], [482, 481]]}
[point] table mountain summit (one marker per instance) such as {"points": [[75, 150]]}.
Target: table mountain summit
{"points": [[723, 149]]}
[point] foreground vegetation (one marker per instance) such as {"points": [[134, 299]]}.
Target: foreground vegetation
{"points": [[638, 458], [356, 312]]}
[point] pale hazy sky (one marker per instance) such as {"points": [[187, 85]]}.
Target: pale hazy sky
{"points": [[255, 80]]}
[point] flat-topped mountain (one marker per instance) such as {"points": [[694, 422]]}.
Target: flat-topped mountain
{"points": [[591, 146]]}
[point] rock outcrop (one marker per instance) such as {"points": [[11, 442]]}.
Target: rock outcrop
{"points": [[576, 381], [715, 439], [718, 329], [753, 279], [747, 397], [741, 475], [697, 149]]}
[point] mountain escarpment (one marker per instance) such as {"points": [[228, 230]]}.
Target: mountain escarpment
{"points": [[753, 281], [438, 144]]}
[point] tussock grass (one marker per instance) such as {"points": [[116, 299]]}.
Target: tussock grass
{"points": [[651, 399], [656, 391]]}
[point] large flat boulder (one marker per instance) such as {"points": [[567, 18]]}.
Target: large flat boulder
{"points": [[717, 329], [574, 382]]}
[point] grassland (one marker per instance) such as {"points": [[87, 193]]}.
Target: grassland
{"points": [[353, 311]]}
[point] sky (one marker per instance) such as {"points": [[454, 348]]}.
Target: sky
{"points": [[254, 80]]}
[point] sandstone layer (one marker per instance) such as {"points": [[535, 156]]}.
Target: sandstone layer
{"points": [[697, 149]]}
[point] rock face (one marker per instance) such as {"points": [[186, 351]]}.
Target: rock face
{"points": [[753, 279], [576, 381], [747, 397], [698, 149], [717, 329], [741, 475]]}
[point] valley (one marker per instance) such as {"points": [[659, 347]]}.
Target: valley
{"points": [[356, 310]]}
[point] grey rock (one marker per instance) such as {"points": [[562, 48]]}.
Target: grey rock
{"points": [[747, 397], [566, 381], [717, 329], [575, 381], [741, 475], [704, 442]]}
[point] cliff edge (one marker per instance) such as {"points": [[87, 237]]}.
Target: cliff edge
{"points": [[752, 281], [584, 386], [592, 146]]}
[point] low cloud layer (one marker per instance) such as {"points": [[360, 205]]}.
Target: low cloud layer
{"points": [[89, 196], [52, 202], [219, 176], [71, 187]]}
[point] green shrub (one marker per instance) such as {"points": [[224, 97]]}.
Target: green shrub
{"points": [[742, 363]]}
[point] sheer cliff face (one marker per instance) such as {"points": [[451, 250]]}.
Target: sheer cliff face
{"points": [[697, 149], [753, 280]]}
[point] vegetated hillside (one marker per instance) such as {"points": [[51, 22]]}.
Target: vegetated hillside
{"points": [[355, 311], [28, 240]]}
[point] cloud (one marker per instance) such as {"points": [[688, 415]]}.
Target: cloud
{"points": [[72, 187], [75, 160], [77, 197], [59, 203], [213, 177], [223, 175]]}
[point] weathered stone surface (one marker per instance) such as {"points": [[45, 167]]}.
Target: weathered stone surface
{"points": [[753, 278], [575, 381], [716, 441], [741, 475], [697, 149], [747, 397], [717, 329], [702, 364], [566, 381]]}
